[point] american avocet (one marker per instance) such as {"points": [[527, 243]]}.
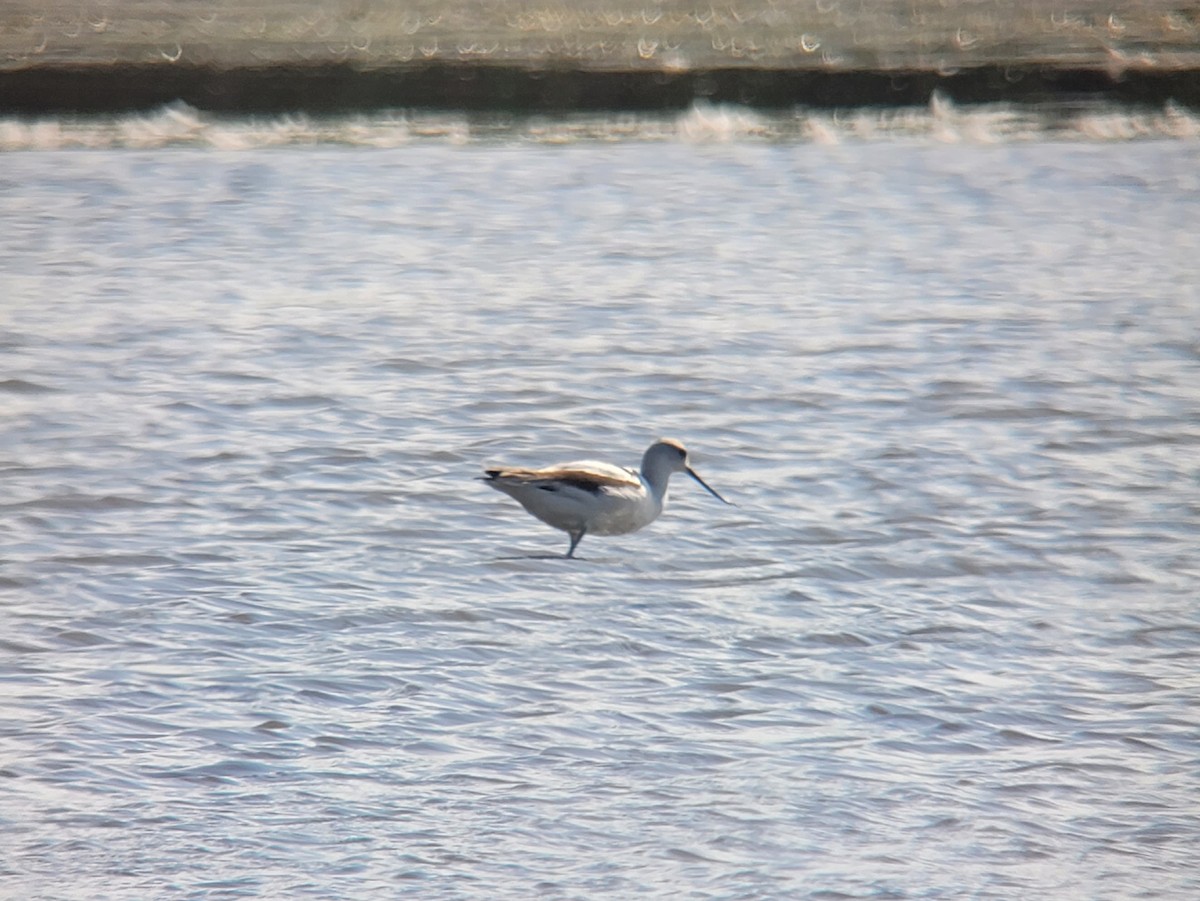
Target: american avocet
{"points": [[592, 498]]}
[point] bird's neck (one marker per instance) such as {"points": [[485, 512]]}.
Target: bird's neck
{"points": [[656, 478]]}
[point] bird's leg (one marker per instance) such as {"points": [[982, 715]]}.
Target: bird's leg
{"points": [[576, 537]]}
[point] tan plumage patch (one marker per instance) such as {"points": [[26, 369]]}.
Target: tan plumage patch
{"points": [[582, 478]]}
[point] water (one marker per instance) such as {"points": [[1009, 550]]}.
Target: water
{"points": [[941, 121], [264, 636]]}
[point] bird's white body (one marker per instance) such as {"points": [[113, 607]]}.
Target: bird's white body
{"points": [[585, 495], [591, 497]]}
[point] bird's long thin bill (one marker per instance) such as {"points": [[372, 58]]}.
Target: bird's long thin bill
{"points": [[707, 487]]}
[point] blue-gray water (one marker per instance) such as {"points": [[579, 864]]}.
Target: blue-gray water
{"points": [[264, 635]]}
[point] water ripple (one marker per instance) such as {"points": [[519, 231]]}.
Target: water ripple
{"points": [[265, 630]]}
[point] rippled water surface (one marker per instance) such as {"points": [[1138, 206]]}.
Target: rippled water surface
{"points": [[264, 635]]}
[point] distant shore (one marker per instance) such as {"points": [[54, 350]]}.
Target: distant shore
{"points": [[322, 89], [306, 56]]}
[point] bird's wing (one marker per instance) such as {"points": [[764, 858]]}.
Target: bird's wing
{"points": [[589, 475], [597, 473]]}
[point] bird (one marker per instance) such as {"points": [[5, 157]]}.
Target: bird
{"points": [[588, 497]]}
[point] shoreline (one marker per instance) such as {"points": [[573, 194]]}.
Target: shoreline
{"points": [[551, 56], [327, 88]]}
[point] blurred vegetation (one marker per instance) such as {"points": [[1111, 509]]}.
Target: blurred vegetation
{"points": [[672, 35]]}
